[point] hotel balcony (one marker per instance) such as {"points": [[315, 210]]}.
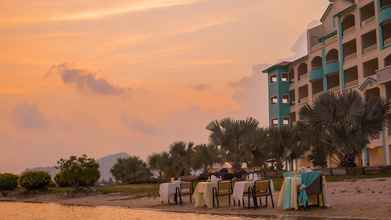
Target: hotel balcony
{"points": [[351, 78], [369, 42], [316, 69], [349, 50], [332, 63], [367, 14], [384, 75], [348, 25], [385, 12]]}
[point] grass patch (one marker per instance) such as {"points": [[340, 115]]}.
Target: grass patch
{"points": [[131, 189]]}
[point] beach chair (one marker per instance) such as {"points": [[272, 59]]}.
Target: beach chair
{"points": [[313, 190], [185, 189], [262, 189], [223, 189]]}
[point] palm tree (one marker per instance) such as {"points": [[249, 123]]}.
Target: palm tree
{"points": [[160, 162], [345, 123], [256, 146], [231, 136], [286, 144], [205, 156], [181, 155]]}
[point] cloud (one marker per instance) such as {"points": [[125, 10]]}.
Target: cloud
{"points": [[249, 93], [139, 126], [85, 81], [201, 87], [125, 9], [29, 116]]}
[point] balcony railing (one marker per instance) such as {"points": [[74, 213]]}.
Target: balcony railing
{"points": [[368, 21], [387, 41], [351, 85], [334, 90], [303, 100], [369, 49], [384, 75], [349, 31], [316, 96], [350, 56]]}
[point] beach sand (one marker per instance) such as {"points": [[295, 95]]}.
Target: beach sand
{"points": [[364, 198]]}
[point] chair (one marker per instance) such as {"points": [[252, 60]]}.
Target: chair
{"points": [[247, 194], [314, 189], [185, 189], [262, 189], [223, 189]]}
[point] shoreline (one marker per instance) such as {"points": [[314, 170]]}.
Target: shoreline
{"points": [[201, 211], [360, 199]]}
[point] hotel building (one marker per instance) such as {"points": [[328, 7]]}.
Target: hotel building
{"points": [[350, 49]]}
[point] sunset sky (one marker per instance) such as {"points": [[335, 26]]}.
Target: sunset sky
{"points": [[101, 77]]}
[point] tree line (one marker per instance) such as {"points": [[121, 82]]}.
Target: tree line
{"points": [[335, 126]]}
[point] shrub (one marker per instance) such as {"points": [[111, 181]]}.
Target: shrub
{"points": [[8, 182], [131, 170], [34, 180], [77, 172]]}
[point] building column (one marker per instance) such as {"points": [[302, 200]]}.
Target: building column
{"points": [[365, 157], [340, 54], [384, 134], [324, 63]]}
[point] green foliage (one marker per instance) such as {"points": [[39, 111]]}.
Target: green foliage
{"points": [[34, 180], [131, 170], [8, 182], [180, 155], [205, 156], [77, 172], [344, 123], [160, 162], [233, 136]]}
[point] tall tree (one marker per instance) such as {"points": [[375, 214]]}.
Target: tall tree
{"points": [[130, 170], [231, 135], [181, 155], [345, 122], [205, 156], [161, 162]]}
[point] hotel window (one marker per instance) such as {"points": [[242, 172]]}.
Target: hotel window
{"points": [[273, 78], [367, 12], [285, 121], [284, 77], [285, 99], [275, 122], [274, 100]]}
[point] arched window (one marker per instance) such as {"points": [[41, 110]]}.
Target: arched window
{"points": [[332, 56], [302, 70], [316, 63], [348, 22]]}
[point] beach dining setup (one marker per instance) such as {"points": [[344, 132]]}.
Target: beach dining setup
{"points": [[299, 190]]}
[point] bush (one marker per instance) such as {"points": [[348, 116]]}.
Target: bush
{"points": [[34, 180], [77, 172], [8, 182], [131, 170]]}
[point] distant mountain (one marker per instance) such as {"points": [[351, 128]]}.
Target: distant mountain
{"points": [[105, 165]]}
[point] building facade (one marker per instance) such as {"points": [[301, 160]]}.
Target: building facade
{"points": [[350, 49]]}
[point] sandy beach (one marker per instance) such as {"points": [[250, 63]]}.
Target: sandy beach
{"points": [[363, 199]]}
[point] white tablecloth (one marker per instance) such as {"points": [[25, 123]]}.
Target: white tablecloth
{"points": [[203, 194], [167, 191], [240, 188]]}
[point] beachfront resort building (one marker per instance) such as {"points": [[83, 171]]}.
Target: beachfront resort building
{"points": [[350, 49]]}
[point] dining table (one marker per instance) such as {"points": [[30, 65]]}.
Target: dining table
{"points": [[167, 191], [288, 196], [203, 194]]}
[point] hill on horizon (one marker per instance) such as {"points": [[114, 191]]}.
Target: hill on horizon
{"points": [[105, 165]]}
